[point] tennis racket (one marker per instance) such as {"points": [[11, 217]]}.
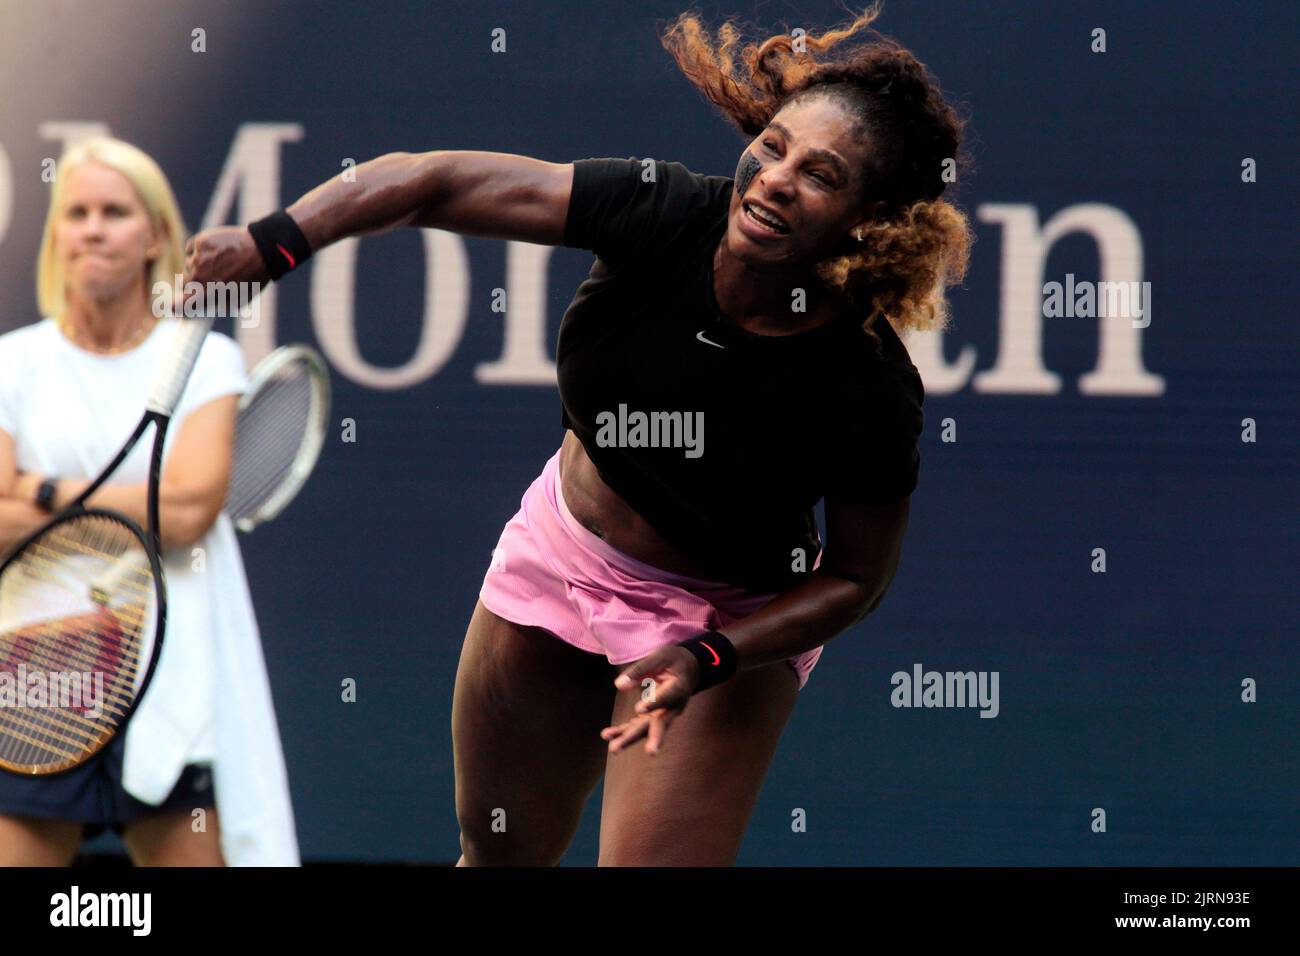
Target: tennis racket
{"points": [[279, 434], [83, 607]]}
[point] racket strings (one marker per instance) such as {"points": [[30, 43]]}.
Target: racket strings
{"points": [[55, 720], [275, 432], [97, 683], [132, 581], [52, 658], [279, 413], [52, 564], [59, 655], [74, 605], [47, 728], [46, 743], [52, 729]]}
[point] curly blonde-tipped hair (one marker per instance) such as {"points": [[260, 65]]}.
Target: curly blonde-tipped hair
{"points": [[920, 243], [150, 184]]}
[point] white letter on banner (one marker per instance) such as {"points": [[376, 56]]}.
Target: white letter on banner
{"points": [[1019, 368], [445, 303], [524, 358]]}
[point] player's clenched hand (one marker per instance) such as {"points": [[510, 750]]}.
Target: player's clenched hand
{"points": [[674, 675], [224, 254]]}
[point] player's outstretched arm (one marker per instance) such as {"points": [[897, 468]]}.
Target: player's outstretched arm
{"points": [[496, 195]]}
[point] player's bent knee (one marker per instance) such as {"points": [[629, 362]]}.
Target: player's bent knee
{"points": [[484, 846], [501, 836]]}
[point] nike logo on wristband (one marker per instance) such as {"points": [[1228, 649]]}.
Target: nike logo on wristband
{"points": [[716, 659], [285, 252], [700, 336]]}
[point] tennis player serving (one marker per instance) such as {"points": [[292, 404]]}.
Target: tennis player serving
{"points": [[733, 358]]}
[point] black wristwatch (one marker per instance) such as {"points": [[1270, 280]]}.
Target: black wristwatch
{"points": [[45, 494]]}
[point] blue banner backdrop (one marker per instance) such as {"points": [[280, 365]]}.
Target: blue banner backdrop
{"points": [[1119, 690]]}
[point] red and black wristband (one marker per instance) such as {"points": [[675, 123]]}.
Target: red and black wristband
{"points": [[281, 243], [716, 655]]}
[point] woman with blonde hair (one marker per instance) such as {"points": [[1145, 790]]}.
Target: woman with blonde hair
{"points": [[204, 740], [735, 356]]}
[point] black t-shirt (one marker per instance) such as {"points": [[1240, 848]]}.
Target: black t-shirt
{"points": [[766, 425]]}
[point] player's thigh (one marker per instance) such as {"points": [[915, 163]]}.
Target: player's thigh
{"points": [[689, 804], [526, 719], [172, 839], [30, 842]]}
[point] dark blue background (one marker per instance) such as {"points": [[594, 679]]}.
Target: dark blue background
{"points": [[1118, 690]]}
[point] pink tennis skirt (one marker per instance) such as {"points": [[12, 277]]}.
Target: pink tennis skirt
{"points": [[549, 571]]}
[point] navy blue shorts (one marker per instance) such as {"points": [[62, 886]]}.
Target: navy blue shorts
{"points": [[92, 793]]}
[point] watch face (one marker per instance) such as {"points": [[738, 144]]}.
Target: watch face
{"points": [[45, 494]]}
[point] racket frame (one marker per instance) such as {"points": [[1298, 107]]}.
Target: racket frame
{"points": [[73, 512]]}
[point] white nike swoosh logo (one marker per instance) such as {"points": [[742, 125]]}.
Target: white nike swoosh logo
{"points": [[700, 336]]}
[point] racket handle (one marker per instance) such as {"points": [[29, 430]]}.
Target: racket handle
{"points": [[175, 372]]}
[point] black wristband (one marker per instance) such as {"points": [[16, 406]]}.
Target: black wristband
{"points": [[281, 243], [716, 655]]}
